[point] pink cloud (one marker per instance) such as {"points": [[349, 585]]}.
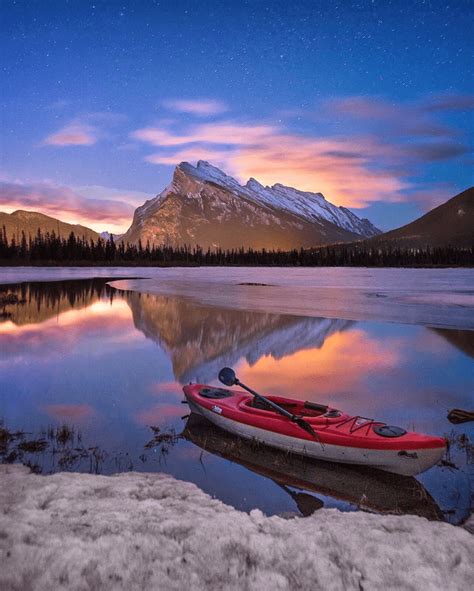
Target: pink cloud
{"points": [[340, 168], [199, 107], [224, 132], [65, 204], [75, 134], [377, 163]]}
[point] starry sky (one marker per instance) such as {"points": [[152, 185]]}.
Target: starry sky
{"points": [[369, 102]]}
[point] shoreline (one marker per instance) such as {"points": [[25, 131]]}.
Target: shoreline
{"points": [[171, 265]]}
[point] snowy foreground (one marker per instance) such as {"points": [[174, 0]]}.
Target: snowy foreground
{"points": [[150, 531]]}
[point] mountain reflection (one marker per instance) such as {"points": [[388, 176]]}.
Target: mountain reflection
{"points": [[109, 363], [200, 340]]}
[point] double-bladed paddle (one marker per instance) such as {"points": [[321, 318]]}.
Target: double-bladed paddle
{"points": [[228, 378]]}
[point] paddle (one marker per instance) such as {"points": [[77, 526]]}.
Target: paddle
{"points": [[457, 416], [228, 378]]}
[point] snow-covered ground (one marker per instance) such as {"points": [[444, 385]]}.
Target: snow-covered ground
{"points": [[150, 531], [442, 298]]}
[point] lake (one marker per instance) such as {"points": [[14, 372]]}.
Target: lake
{"points": [[91, 378]]}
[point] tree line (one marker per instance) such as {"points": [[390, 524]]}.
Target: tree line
{"points": [[51, 249]]}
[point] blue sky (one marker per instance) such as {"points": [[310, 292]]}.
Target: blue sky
{"points": [[369, 102]]}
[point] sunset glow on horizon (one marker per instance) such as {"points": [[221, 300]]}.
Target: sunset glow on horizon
{"points": [[369, 103]]}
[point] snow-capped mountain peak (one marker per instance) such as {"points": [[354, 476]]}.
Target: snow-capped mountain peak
{"points": [[307, 205], [204, 206]]}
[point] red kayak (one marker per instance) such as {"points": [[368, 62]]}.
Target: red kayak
{"points": [[333, 435]]}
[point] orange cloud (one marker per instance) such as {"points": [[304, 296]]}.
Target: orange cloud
{"points": [[343, 169], [387, 146], [75, 134]]}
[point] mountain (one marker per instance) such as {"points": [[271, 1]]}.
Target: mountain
{"points": [[450, 224], [29, 221], [204, 206]]}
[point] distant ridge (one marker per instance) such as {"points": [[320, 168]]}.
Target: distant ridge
{"points": [[449, 224], [29, 221]]}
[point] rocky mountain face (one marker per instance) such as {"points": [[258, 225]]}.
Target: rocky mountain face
{"points": [[204, 206], [449, 224], [30, 221]]}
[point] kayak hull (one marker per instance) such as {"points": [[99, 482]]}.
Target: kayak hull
{"points": [[407, 462]]}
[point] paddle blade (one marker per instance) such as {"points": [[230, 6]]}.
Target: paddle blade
{"points": [[227, 376], [457, 416]]}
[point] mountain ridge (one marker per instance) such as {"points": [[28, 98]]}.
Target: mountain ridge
{"points": [[22, 220], [204, 206], [448, 224]]}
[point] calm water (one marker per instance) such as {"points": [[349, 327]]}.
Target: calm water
{"points": [[109, 366]]}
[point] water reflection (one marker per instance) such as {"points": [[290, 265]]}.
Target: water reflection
{"points": [[200, 340], [110, 364], [42, 300]]}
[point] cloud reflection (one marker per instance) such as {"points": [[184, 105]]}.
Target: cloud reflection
{"points": [[73, 413]]}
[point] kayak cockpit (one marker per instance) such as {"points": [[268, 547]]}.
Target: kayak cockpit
{"points": [[310, 410]]}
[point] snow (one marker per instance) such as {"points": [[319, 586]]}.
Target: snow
{"points": [[150, 531], [309, 206]]}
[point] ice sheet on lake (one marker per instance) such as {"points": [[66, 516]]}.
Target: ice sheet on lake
{"points": [[150, 531], [437, 298], [441, 298]]}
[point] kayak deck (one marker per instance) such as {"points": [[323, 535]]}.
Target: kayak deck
{"points": [[340, 437]]}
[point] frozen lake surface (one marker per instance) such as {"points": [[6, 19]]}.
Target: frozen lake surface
{"points": [[431, 297]]}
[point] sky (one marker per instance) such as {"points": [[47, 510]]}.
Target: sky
{"points": [[369, 102]]}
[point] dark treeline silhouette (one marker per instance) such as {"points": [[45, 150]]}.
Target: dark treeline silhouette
{"points": [[49, 249]]}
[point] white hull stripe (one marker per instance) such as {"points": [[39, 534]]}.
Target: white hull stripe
{"points": [[390, 460]]}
